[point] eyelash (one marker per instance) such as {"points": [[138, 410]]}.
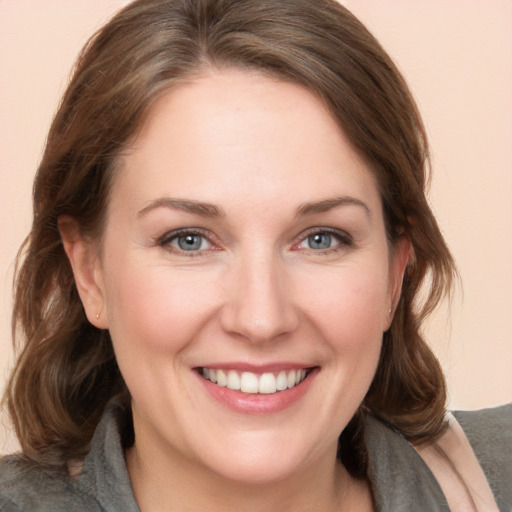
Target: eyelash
{"points": [[344, 239], [166, 240]]}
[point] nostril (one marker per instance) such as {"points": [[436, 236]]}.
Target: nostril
{"points": [[259, 323]]}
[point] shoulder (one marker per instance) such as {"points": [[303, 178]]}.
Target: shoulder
{"points": [[487, 425], [11, 475], [27, 487], [489, 432], [101, 484]]}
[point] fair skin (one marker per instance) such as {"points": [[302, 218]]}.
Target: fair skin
{"points": [[281, 270]]}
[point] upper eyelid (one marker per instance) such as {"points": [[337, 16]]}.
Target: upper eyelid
{"points": [[173, 234], [341, 233]]}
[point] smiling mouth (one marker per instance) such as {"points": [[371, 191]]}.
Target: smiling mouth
{"points": [[249, 382]]}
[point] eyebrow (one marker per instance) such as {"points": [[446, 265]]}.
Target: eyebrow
{"points": [[211, 210], [325, 205], [195, 207]]}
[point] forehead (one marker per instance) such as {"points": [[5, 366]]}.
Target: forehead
{"points": [[243, 133]]}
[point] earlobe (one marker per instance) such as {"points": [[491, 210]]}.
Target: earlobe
{"points": [[82, 254]]}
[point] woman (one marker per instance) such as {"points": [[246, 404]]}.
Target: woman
{"points": [[219, 295]]}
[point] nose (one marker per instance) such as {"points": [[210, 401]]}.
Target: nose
{"points": [[259, 305]]}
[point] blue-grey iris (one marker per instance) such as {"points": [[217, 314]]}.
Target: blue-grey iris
{"points": [[320, 241], [189, 242]]}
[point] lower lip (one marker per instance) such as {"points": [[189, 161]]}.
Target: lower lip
{"points": [[256, 403]]}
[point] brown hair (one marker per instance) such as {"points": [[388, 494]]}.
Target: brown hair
{"points": [[66, 371]]}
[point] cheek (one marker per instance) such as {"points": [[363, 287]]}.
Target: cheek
{"points": [[154, 315], [346, 311], [153, 307], [349, 314], [350, 306]]}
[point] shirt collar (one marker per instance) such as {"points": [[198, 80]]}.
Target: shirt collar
{"points": [[399, 478]]}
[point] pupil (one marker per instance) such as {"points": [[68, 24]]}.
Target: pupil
{"points": [[320, 241], [189, 242]]}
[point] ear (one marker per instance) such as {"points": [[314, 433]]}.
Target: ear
{"points": [[83, 256], [400, 255]]}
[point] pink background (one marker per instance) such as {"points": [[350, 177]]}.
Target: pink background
{"points": [[457, 57]]}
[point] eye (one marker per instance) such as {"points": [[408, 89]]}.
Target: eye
{"points": [[186, 241], [325, 240]]}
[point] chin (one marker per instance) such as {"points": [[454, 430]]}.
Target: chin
{"points": [[260, 459], [248, 470]]}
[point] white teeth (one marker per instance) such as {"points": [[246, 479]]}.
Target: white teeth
{"points": [[267, 384], [249, 382], [233, 380], [221, 379], [291, 379], [281, 382]]}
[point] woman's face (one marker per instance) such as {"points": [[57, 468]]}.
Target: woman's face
{"points": [[245, 247]]}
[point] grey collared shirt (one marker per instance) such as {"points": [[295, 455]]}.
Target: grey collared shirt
{"points": [[400, 480]]}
